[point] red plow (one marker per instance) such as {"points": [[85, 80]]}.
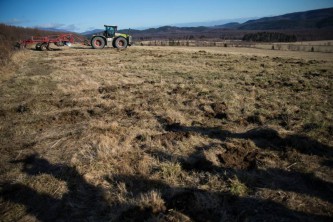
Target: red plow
{"points": [[43, 43]]}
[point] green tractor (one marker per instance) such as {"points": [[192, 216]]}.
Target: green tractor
{"points": [[111, 38]]}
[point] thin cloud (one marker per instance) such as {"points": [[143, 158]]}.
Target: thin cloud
{"points": [[16, 21], [70, 27], [50, 25]]}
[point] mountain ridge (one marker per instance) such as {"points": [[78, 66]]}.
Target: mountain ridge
{"points": [[319, 18], [312, 19]]}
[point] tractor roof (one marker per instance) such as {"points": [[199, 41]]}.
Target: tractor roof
{"points": [[110, 25]]}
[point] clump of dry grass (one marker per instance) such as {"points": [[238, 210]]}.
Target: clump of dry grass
{"points": [[237, 188], [152, 200]]}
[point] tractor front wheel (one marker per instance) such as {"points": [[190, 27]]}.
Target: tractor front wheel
{"points": [[43, 46], [38, 46], [120, 43], [98, 42]]}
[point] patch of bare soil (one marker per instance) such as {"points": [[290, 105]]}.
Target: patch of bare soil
{"points": [[171, 136], [240, 156], [216, 110]]}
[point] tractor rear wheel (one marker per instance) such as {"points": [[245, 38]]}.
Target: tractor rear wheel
{"points": [[38, 46], [98, 42], [120, 43], [43, 46]]}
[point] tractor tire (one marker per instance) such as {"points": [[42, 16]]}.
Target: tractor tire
{"points": [[38, 46], [120, 43], [98, 43], [43, 46], [19, 46]]}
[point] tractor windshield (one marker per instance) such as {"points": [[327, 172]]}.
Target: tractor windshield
{"points": [[110, 31]]}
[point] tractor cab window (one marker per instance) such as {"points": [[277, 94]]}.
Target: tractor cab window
{"points": [[110, 31]]}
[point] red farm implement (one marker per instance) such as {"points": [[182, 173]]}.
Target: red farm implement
{"points": [[43, 43]]}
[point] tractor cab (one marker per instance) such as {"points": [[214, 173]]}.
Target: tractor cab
{"points": [[110, 31]]}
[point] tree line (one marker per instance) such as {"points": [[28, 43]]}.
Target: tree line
{"points": [[269, 37], [9, 35]]}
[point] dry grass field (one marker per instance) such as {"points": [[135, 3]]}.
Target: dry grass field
{"points": [[310, 46], [166, 134]]}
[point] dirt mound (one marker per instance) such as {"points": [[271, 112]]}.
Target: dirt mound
{"points": [[239, 155], [216, 110], [235, 154], [170, 136], [256, 118], [220, 110]]}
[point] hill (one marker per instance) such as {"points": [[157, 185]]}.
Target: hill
{"points": [[231, 25], [91, 32], [321, 18], [308, 25]]}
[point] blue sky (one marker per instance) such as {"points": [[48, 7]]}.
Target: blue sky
{"points": [[82, 15]]}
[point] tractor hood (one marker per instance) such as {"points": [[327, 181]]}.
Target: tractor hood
{"points": [[121, 34]]}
